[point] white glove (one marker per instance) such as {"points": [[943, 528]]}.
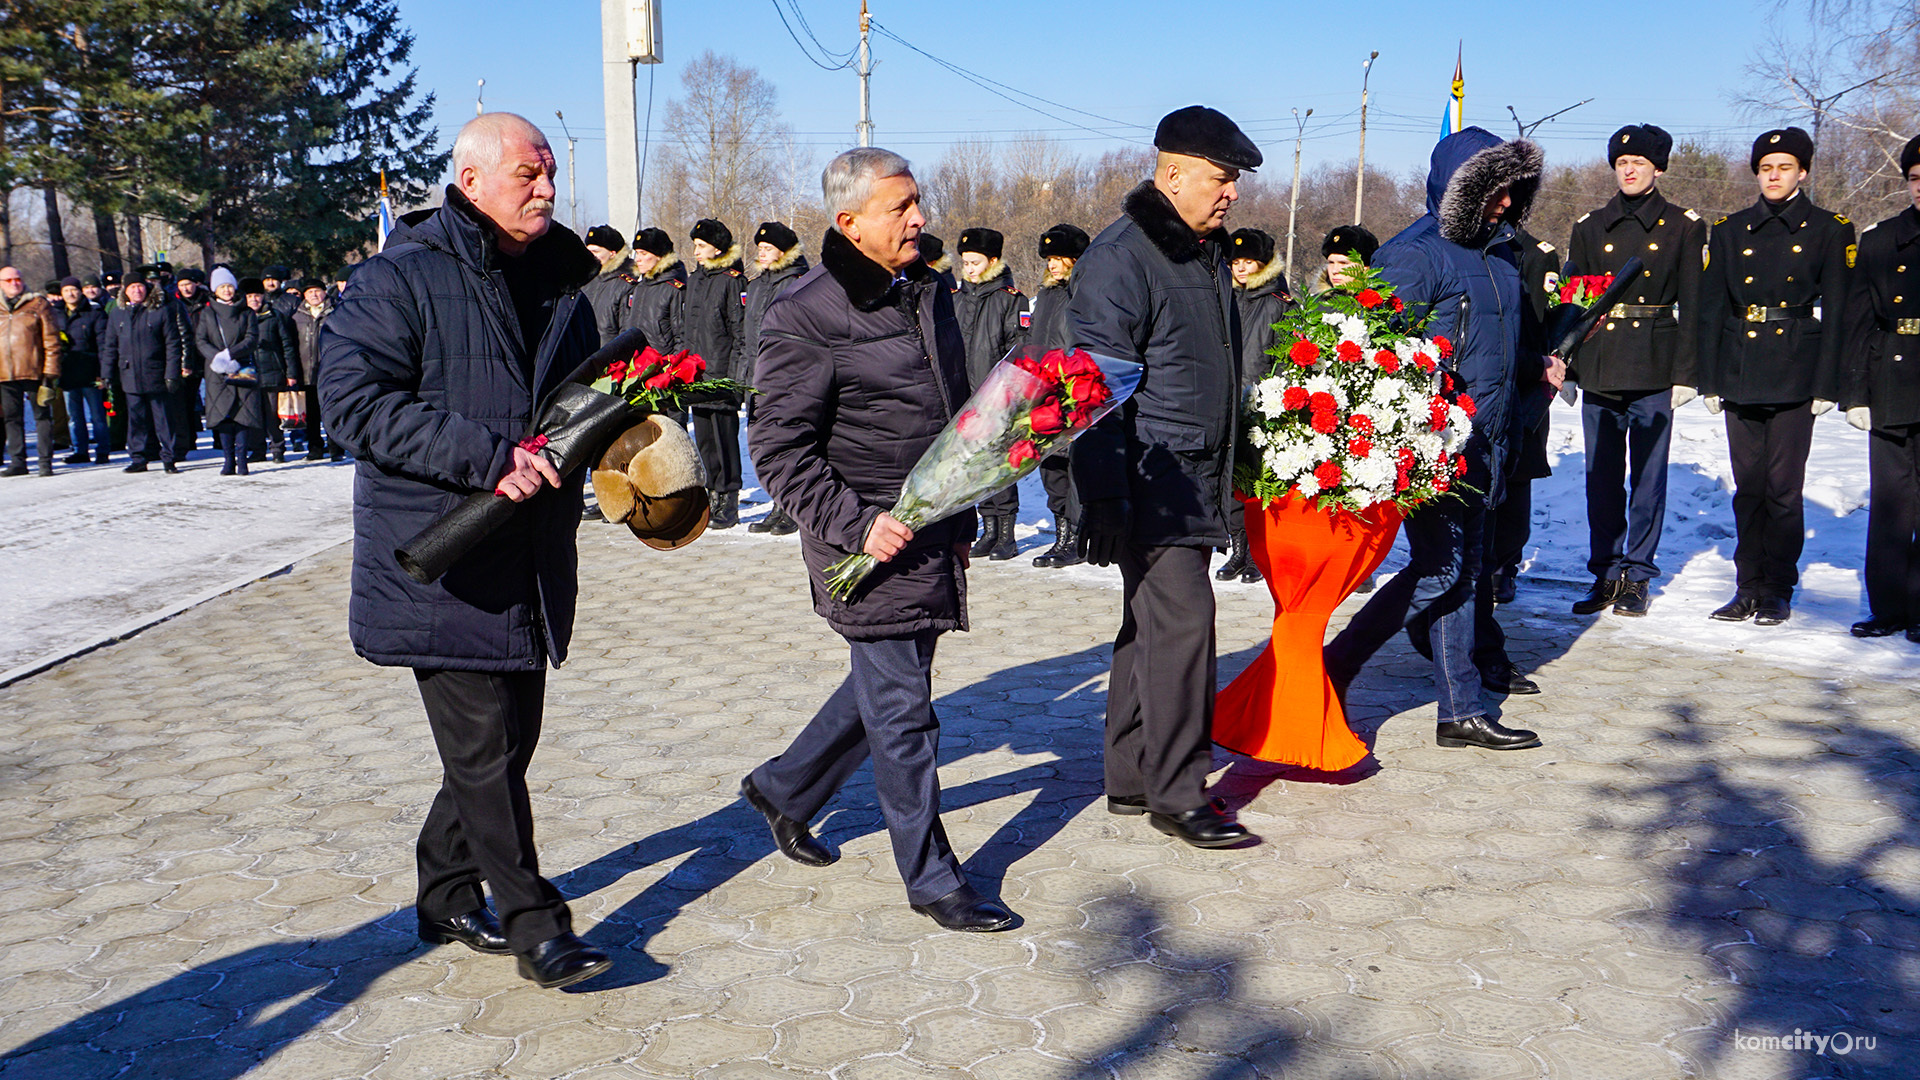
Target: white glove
{"points": [[1712, 402], [1683, 394], [1859, 416], [222, 363], [1821, 405]]}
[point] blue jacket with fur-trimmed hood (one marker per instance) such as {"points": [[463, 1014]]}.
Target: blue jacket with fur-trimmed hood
{"points": [[1465, 273]]}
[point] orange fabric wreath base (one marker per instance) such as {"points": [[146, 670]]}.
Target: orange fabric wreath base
{"points": [[1283, 708]]}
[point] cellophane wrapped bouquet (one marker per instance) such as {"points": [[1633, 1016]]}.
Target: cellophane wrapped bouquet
{"points": [[1354, 412], [1031, 404]]}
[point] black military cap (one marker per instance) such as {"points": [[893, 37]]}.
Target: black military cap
{"points": [[109, 279], [52, 287], [980, 241], [163, 267], [1347, 239], [1784, 141], [193, 274], [1064, 242], [343, 273], [653, 241], [252, 285], [931, 247], [1251, 244], [1641, 140], [1910, 156], [713, 232], [90, 279], [606, 236], [1198, 131], [777, 234], [146, 270], [277, 273]]}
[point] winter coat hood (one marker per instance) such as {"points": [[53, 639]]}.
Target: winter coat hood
{"points": [[1467, 168]]}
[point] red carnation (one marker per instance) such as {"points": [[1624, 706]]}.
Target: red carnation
{"points": [[1047, 419], [1405, 456], [1441, 484], [1388, 360], [1437, 413], [1467, 406], [1303, 352], [1359, 447], [1423, 361], [1349, 352], [1326, 422], [1328, 474], [1446, 383], [1294, 398], [1322, 402], [1399, 304], [1021, 453], [1460, 465], [1402, 482], [1361, 423], [1445, 347], [1370, 299]]}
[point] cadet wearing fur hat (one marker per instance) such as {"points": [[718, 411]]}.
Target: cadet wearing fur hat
{"points": [[1882, 397], [658, 278], [1345, 247], [1260, 292], [1772, 363], [1046, 326], [609, 287], [777, 252], [708, 321], [989, 309], [933, 252]]}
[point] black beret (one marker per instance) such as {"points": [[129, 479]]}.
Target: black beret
{"points": [[135, 276], [713, 233], [1910, 156], [981, 241], [90, 279], [277, 273], [1641, 140], [653, 242], [931, 247], [1064, 242], [1784, 141], [1347, 239], [606, 236], [191, 273], [1251, 244], [1198, 131], [249, 285], [777, 234]]}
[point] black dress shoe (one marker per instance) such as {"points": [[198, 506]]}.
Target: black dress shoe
{"points": [[1505, 587], [15, 470], [968, 911], [1877, 627], [1203, 827], [1510, 681], [1772, 611], [169, 467], [1135, 805], [80, 458], [136, 465], [1633, 599], [477, 930], [1484, 732], [562, 961], [793, 838], [1602, 592], [1738, 609]]}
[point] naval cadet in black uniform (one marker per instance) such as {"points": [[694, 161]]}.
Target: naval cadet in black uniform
{"points": [[1260, 292], [1882, 397], [1637, 368], [1046, 327], [1772, 327]]}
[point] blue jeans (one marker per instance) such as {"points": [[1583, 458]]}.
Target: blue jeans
{"points": [[87, 416], [1446, 542]]}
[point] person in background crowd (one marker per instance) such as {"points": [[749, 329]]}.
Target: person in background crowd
{"points": [[144, 345], [1261, 294], [707, 323], [305, 371], [29, 361], [933, 252], [190, 298], [989, 308], [777, 252], [228, 339], [95, 288], [339, 286], [80, 375], [610, 286], [1769, 361], [62, 424], [273, 280], [1046, 328], [1344, 248], [659, 278], [275, 355], [1882, 398]]}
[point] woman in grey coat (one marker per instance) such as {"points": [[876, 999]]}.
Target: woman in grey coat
{"points": [[227, 334]]}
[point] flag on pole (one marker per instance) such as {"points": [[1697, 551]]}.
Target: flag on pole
{"points": [[1452, 119], [383, 212]]}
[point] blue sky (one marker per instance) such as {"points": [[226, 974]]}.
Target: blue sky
{"points": [[1679, 65]]}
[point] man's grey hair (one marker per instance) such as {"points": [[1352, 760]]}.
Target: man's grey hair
{"points": [[482, 141], [848, 179]]}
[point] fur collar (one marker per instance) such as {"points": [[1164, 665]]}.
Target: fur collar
{"points": [[617, 263], [1154, 213], [1264, 276], [726, 260], [942, 264], [1515, 165], [21, 301], [667, 262], [868, 284], [994, 268], [1053, 280], [787, 258], [559, 258]]}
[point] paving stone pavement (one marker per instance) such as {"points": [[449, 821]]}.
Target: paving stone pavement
{"points": [[206, 861]]}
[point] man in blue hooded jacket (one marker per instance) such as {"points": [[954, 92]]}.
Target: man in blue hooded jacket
{"points": [[1459, 266]]}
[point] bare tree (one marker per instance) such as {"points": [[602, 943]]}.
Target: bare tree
{"points": [[722, 157]]}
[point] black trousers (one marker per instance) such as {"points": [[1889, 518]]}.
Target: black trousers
{"points": [[1628, 436], [16, 397], [883, 710], [480, 826], [1057, 480], [716, 433], [153, 420], [1893, 525], [1767, 446], [1005, 503], [1159, 741], [189, 417], [316, 442]]}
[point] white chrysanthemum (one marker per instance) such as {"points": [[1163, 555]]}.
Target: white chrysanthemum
{"points": [[1373, 472], [1353, 329], [1320, 447], [1428, 445], [1385, 392], [1309, 485], [1332, 318], [1269, 395]]}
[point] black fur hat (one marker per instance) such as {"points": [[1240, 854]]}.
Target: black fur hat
{"points": [[605, 236], [191, 273], [1251, 244], [931, 247], [986, 242], [1064, 242], [1910, 156], [653, 242], [777, 234], [1783, 141], [1347, 239], [277, 273], [108, 279], [1198, 131], [252, 285], [713, 233], [1641, 140]]}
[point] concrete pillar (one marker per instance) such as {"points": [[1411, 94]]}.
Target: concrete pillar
{"points": [[616, 80]]}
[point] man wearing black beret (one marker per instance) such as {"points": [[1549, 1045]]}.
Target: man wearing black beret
{"points": [[1046, 326], [1772, 328], [1154, 476], [1881, 394], [1637, 368]]}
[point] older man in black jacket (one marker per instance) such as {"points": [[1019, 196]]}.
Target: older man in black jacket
{"points": [[1153, 478], [861, 366], [143, 344], [432, 368]]}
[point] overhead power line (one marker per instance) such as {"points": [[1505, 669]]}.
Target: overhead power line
{"points": [[808, 53]]}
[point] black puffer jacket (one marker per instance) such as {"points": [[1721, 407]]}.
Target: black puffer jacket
{"points": [[649, 304], [989, 314], [1264, 299], [607, 292], [709, 316], [142, 342], [857, 377], [424, 379], [760, 293], [80, 362], [1149, 290], [1047, 323]]}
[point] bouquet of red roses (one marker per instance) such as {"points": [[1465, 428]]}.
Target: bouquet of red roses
{"points": [[1584, 289], [1030, 405], [654, 383]]}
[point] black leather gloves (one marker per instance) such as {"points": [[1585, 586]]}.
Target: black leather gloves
{"points": [[1106, 525]]}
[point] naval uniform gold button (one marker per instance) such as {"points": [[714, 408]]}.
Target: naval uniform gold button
{"points": [[1899, 269], [1898, 299], [1653, 247], [1789, 277], [1609, 326], [1636, 324], [1749, 281], [1749, 251], [1796, 247], [1662, 221], [1753, 333], [1782, 330], [1609, 247]]}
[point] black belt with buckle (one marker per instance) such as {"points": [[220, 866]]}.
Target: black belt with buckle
{"points": [[1639, 311], [1756, 313]]}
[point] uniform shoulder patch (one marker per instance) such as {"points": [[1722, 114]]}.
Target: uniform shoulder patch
{"points": [[1583, 217], [1691, 216], [1843, 219], [1853, 252], [678, 284], [1721, 220], [1546, 247]]}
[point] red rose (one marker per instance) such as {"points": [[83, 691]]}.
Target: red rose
{"points": [[1322, 402], [971, 426], [1399, 304], [1080, 417], [1359, 447], [1387, 359], [687, 369], [1328, 474], [1325, 422], [1047, 419], [1445, 347], [1467, 406], [1361, 423], [1294, 398], [1349, 352], [1021, 453], [1423, 361], [1369, 299], [1090, 392], [617, 371], [660, 381], [1303, 352], [646, 358]]}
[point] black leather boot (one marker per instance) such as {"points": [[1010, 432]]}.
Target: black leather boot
{"points": [[986, 541], [1004, 547], [1066, 547], [765, 524], [1236, 558], [1602, 593]]}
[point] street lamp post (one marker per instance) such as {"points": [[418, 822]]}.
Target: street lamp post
{"points": [[1360, 175], [1293, 200]]}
